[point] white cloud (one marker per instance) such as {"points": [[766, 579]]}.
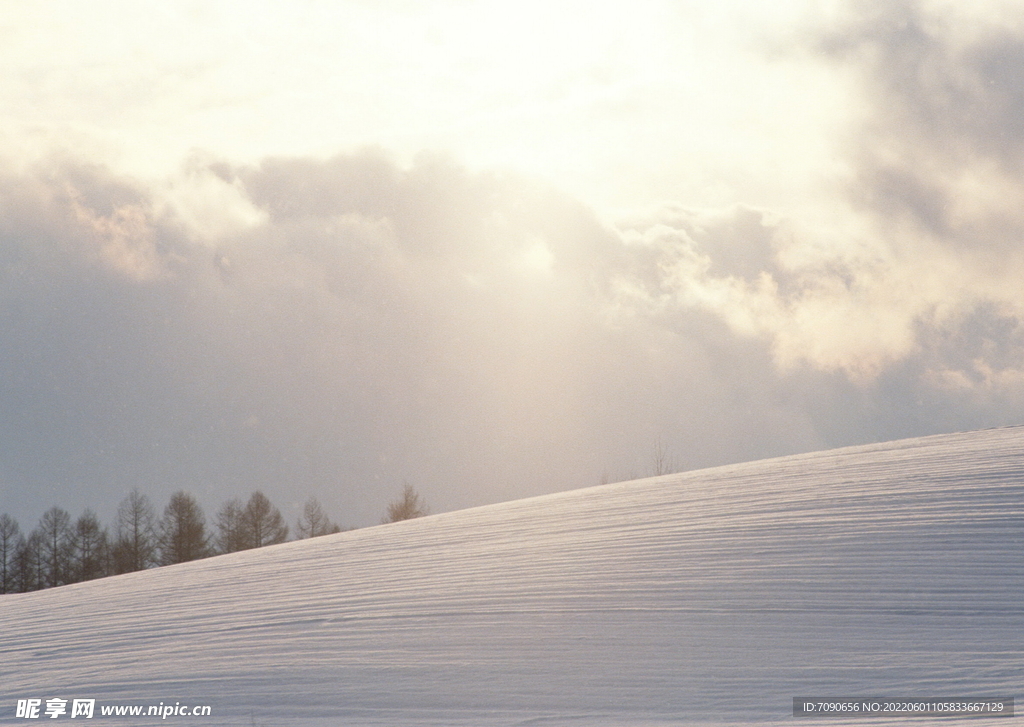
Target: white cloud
{"points": [[841, 260]]}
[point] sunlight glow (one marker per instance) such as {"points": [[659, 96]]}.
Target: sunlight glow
{"points": [[617, 103]]}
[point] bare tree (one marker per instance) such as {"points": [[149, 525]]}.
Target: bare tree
{"points": [[410, 505], [91, 549], [661, 462], [10, 534], [55, 529], [183, 530], [314, 522], [262, 523], [136, 545]]}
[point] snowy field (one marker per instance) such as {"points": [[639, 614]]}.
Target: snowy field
{"points": [[708, 597]]}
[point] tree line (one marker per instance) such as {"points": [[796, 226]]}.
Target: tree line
{"points": [[61, 551]]}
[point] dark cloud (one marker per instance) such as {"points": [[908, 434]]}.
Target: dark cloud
{"points": [[945, 99], [911, 248], [938, 163]]}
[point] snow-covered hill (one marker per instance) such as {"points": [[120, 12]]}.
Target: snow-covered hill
{"points": [[711, 596]]}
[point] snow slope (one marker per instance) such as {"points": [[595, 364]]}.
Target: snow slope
{"points": [[706, 597]]}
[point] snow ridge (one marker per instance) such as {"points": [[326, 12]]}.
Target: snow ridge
{"points": [[705, 597]]}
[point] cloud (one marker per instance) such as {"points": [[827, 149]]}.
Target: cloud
{"points": [[338, 325], [334, 327], [832, 309], [909, 248], [937, 161]]}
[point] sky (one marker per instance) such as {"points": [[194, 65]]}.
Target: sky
{"points": [[495, 250]]}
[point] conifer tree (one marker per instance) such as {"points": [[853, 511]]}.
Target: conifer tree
{"points": [[230, 533], [314, 522], [262, 523], [183, 530], [10, 534], [29, 563], [90, 548], [56, 547], [135, 547], [410, 505]]}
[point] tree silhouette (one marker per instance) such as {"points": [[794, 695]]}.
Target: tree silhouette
{"points": [[29, 563], [262, 523], [136, 545], [661, 462], [10, 534], [90, 548], [314, 522], [183, 530], [56, 546], [230, 535], [406, 507]]}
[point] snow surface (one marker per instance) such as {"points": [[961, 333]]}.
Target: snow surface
{"points": [[706, 597]]}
